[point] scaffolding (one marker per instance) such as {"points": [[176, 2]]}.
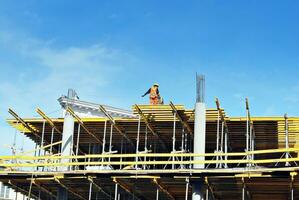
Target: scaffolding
{"points": [[148, 154]]}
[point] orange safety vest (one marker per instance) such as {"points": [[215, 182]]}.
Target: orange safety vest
{"points": [[153, 92]]}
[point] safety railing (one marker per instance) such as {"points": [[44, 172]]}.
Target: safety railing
{"points": [[151, 160]]}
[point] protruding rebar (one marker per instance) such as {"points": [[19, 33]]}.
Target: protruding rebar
{"points": [[200, 88]]}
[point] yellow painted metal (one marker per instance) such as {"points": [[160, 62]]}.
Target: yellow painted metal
{"points": [[44, 163], [43, 115], [137, 177], [38, 148], [268, 151], [165, 171]]}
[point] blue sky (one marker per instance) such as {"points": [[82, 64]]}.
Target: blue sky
{"points": [[112, 51]]}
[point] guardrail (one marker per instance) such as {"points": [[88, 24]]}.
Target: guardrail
{"points": [[147, 161]]}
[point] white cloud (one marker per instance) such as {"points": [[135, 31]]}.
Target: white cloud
{"points": [[52, 71]]}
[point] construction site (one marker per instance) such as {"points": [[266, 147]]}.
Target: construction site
{"points": [[161, 151]]}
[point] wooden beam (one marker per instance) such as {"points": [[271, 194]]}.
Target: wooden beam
{"points": [[83, 125], [25, 124], [68, 189], [162, 188], [150, 127], [43, 115], [185, 124], [112, 121]]}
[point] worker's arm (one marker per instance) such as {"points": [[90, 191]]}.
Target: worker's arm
{"points": [[149, 90]]}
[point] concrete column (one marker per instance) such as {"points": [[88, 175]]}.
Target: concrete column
{"points": [[62, 194], [199, 140], [68, 132], [199, 132]]}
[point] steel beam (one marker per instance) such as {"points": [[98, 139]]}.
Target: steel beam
{"points": [[25, 124], [45, 117]]}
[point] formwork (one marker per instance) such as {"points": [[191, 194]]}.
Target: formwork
{"points": [[147, 153]]}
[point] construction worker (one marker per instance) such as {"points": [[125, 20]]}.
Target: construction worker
{"points": [[154, 95]]}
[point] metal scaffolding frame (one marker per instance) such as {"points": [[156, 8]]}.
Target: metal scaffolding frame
{"points": [[222, 140], [152, 163]]}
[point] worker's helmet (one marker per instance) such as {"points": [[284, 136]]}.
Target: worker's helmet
{"points": [[156, 84]]}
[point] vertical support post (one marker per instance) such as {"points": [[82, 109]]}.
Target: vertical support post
{"points": [[217, 137], [173, 138], [225, 148], [145, 146], [252, 141], [183, 140], [187, 189], [90, 191], [110, 141], [292, 174], [52, 138], [247, 132], [104, 137], [137, 141], [173, 133], [286, 139], [68, 132], [42, 140], [221, 142], [145, 140], [121, 151], [207, 193], [116, 191], [157, 194], [78, 139]]}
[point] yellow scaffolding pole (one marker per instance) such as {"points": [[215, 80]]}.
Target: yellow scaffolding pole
{"points": [[268, 151]]}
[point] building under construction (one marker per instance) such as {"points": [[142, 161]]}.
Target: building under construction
{"points": [[154, 152]]}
